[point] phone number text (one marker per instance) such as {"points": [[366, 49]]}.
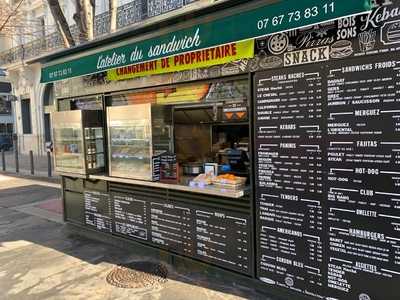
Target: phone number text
{"points": [[296, 16]]}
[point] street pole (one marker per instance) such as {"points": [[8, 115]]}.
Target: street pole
{"points": [[48, 164], [31, 162], [3, 159], [16, 153]]}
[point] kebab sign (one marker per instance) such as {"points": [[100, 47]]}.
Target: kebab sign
{"points": [[191, 60]]}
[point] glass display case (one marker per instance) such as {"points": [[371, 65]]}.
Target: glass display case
{"points": [[137, 134], [78, 142]]}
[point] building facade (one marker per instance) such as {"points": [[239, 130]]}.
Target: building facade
{"points": [[34, 100]]}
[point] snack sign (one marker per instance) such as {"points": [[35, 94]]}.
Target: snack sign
{"points": [[191, 60]]}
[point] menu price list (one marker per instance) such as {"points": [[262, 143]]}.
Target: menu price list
{"points": [[171, 227], [213, 235], [363, 183], [98, 210], [348, 202], [130, 216], [223, 238], [289, 112]]}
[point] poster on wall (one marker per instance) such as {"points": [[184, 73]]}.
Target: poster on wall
{"points": [[327, 158]]}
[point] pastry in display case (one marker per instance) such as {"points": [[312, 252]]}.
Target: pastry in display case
{"points": [[78, 142], [136, 138]]}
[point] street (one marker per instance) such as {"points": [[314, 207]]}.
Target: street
{"points": [[41, 259]]}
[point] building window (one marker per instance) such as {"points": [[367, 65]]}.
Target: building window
{"points": [[26, 116], [10, 128], [48, 98], [5, 106]]}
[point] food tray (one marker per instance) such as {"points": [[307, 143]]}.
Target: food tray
{"points": [[227, 186], [236, 181]]}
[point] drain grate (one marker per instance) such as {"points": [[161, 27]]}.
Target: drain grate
{"points": [[141, 274]]}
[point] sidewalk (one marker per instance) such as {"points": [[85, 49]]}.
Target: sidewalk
{"points": [[41, 258], [39, 162]]}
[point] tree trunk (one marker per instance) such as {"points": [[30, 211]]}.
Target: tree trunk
{"points": [[61, 23], [90, 12], [84, 19], [112, 7]]}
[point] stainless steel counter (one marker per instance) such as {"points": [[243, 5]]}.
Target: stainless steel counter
{"points": [[208, 190]]}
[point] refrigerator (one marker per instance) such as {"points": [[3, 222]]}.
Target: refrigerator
{"points": [[78, 138], [137, 136]]}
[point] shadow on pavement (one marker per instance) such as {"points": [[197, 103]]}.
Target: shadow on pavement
{"points": [[40, 259], [12, 197]]}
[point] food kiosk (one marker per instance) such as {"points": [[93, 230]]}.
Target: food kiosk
{"points": [[279, 164]]}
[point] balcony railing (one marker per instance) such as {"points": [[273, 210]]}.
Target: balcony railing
{"points": [[128, 14]]}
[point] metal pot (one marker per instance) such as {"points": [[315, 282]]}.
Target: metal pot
{"points": [[193, 169]]}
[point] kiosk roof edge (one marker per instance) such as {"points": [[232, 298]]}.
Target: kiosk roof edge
{"points": [[268, 19]]}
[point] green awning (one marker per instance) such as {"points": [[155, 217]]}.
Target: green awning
{"points": [[277, 17]]}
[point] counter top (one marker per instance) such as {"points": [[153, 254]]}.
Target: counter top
{"points": [[208, 190]]}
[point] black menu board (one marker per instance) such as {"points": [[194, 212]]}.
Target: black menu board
{"points": [[171, 226], [98, 210], [289, 114], [214, 235], [327, 127], [363, 178], [328, 178], [223, 238], [130, 216]]}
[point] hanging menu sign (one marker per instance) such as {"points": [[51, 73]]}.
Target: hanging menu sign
{"points": [[98, 210]]}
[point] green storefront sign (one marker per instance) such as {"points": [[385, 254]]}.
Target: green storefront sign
{"points": [[280, 16]]}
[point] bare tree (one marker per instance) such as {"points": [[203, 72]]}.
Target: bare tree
{"points": [[8, 14], [112, 7], [14, 23], [61, 23], [84, 18]]}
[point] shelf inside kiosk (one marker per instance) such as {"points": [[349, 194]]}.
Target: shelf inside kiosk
{"points": [[78, 142]]}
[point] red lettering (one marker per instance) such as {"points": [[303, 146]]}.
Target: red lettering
{"points": [[212, 50], [227, 50], [218, 52], [234, 50], [187, 58], [192, 57], [198, 56]]}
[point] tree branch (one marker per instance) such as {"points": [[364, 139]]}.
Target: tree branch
{"points": [[61, 22]]}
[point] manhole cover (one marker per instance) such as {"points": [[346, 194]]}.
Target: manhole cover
{"points": [[138, 275]]}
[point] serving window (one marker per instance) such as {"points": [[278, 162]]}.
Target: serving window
{"points": [[199, 135]]}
